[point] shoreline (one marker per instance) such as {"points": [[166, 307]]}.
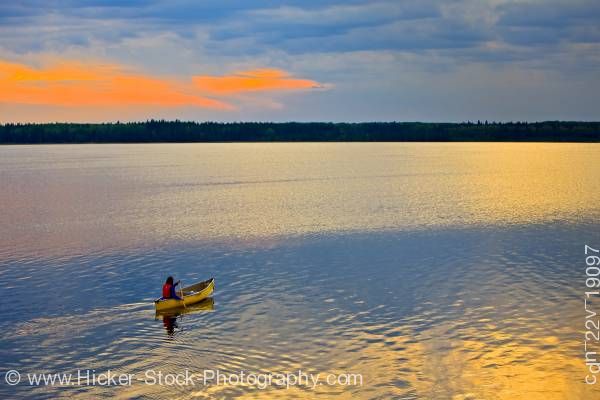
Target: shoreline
{"points": [[162, 131]]}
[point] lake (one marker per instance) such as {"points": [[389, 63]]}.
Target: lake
{"points": [[430, 270]]}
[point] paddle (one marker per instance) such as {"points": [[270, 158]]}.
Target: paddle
{"points": [[181, 292]]}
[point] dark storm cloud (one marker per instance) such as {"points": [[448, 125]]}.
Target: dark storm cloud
{"points": [[341, 27], [185, 11], [303, 26], [548, 23], [405, 36], [56, 24], [549, 13]]}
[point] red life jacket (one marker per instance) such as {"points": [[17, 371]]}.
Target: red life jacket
{"points": [[167, 291]]}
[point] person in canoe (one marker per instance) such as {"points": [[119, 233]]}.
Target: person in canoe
{"points": [[168, 289]]}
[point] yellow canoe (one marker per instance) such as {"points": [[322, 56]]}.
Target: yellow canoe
{"points": [[189, 295], [206, 305]]}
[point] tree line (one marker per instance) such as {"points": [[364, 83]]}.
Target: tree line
{"points": [[179, 131]]}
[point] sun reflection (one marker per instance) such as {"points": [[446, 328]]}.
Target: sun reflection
{"points": [[254, 192], [528, 182], [113, 197]]}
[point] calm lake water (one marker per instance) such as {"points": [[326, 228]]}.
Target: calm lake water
{"points": [[436, 271]]}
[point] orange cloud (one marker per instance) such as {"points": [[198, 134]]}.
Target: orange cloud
{"points": [[77, 84], [252, 81]]}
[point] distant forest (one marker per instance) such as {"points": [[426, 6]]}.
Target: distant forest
{"points": [[179, 131]]}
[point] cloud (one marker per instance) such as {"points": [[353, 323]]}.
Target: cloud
{"points": [[258, 80], [241, 28], [386, 58], [534, 24], [332, 28], [76, 84], [290, 22], [551, 13]]}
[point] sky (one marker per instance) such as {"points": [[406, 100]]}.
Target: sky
{"points": [[299, 60]]}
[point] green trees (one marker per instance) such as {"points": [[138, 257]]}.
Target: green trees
{"points": [[178, 131]]}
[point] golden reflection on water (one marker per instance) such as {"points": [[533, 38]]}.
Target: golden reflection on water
{"points": [[396, 363], [116, 196], [495, 367], [131, 194], [323, 187], [532, 182]]}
